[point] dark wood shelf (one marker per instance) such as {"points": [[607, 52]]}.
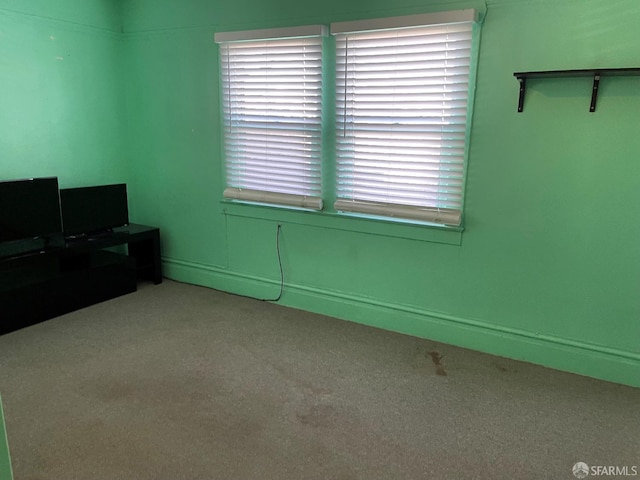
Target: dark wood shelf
{"points": [[596, 73]]}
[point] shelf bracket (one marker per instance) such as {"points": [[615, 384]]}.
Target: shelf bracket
{"points": [[594, 92], [596, 73], [523, 88]]}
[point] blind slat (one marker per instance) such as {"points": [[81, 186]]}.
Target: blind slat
{"points": [[436, 215], [279, 198]]}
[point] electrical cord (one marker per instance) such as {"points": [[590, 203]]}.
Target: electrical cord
{"points": [[281, 270], [281, 274]]}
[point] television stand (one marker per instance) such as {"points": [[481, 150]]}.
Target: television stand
{"points": [[43, 285], [143, 244]]}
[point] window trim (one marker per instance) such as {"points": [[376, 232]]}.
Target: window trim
{"points": [[271, 34], [451, 215], [349, 222], [406, 21], [241, 192], [444, 229]]}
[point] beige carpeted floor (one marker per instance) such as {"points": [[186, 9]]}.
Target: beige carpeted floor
{"points": [[181, 382]]}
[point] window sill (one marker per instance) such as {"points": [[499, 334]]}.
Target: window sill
{"points": [[349, 222]]}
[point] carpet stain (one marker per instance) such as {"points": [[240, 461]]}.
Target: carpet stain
{"points": [[436, 358], [319, 416], [306, 387]]}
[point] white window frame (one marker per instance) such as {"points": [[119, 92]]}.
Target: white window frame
{"points": [[442, 212], [372, 175], [272, 131]]}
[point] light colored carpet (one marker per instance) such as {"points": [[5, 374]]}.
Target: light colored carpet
{"points": [[181, 382]]}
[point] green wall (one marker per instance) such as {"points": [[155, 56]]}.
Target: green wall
{"points": [[547, 268], [5, 460], [61, 91]]}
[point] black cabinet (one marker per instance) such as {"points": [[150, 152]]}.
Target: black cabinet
{"points": [[40, 286]]}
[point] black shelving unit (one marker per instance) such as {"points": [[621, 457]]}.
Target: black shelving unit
{"points": [[596, 73], [41, 285]]}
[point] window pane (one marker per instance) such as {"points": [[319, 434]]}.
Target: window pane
{"points": [[401, 105], [272, 119]]}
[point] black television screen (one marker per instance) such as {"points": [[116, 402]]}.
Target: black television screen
{"points": [[88, 210], [29, 209]]}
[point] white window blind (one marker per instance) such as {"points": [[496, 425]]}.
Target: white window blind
{"points": [[271, 91], [401, 107]]}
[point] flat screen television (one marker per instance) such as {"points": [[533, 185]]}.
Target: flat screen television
{"points": [[29, 209], [93, 210]]}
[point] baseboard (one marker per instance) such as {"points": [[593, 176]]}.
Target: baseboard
{"points": [[591, 360]]}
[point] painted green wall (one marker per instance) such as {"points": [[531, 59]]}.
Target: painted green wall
{"points": [[5, 461], [548, 266], [61, 91], [99, 14]]}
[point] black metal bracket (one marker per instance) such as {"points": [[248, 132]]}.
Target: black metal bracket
{"points": [[596, 73], [594, 92], [523, 88]]}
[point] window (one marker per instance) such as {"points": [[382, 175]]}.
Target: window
{"points": [[272, 95], [402, 95], [402, 92]]}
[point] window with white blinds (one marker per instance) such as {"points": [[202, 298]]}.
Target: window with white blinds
{"points": [[402, 94], [272, 97]]}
